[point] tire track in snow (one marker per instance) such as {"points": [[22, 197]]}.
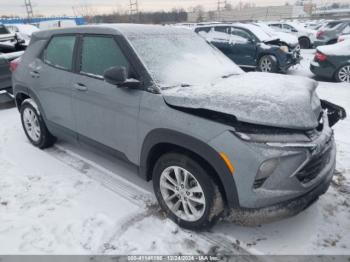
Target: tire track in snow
{"points": [[135, 194]]}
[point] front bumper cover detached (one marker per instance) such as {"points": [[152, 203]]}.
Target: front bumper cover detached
{"points": [[320, 185]]}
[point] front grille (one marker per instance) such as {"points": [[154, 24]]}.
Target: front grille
{"points": [[311, 170]]}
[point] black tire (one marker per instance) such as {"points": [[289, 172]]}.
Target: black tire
{"points": [[344, 69], [214, 205], [273, 64], [333, 41], [304, 43], [45, 139]]}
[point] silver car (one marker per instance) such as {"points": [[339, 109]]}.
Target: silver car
{"points": [[212, 138]]}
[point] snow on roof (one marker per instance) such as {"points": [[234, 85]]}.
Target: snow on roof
{"points": [[220, 37], [339, 49], [142, 29]]}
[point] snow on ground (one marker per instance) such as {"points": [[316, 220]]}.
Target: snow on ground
{"points": [[72, 200]]}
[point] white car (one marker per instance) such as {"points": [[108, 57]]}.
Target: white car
{"points": [[288, 39], [345, 37], [305, 36], [24, 31]]}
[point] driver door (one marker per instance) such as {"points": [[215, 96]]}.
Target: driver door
{"points": [[103, 112], [243, 47]]}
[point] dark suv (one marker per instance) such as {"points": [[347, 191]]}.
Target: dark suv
{"points": [[249, 46], [211, 137]]}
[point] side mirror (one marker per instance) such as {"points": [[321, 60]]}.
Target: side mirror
{"points": [[251, 40], [118, 76]]}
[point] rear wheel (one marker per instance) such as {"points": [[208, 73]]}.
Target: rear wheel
{"points": [[34, 126], [186, 192], [268, 63], [343, 74], [304, 43]]}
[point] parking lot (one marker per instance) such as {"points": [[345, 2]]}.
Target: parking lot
{"points": [[74, 200]]}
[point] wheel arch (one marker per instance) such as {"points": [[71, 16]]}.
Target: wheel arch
{"points": [[274, 56], [161, 141], [345, 63], [23, 93]]}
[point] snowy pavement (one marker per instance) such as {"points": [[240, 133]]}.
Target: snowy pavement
{"points": [[72, 200]]}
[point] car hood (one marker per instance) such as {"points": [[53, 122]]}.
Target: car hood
{"points": [[256, 98]]}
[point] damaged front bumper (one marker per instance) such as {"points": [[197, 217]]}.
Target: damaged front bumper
{"points": [[314, 176], [258, 216], [301, 169]]}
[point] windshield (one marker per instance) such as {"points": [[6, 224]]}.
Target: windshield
{"points": [[182, 59]]}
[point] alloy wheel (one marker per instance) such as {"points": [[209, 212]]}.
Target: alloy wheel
{"points": [[344, 74], [266, 65], [182, 193], [31, 124]]}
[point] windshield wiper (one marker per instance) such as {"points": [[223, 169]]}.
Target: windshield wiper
{"points": [[179, 85], [229, 75]]}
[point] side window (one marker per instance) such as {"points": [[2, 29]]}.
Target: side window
{"points": [[202, 29], [276, 25], [100, 53], [222, 29], [3, 30], [289, 28], [241, 33], [59, 52]]}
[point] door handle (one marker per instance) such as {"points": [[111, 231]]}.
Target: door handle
{"points": [[80, 87], [35, 74]]}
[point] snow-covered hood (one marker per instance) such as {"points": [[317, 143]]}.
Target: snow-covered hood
{"points": [[257, 98]]}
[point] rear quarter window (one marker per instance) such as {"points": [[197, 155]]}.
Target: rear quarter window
{"points": [[59, 52]]}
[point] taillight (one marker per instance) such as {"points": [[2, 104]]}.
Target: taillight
{"points": [[341, 39], [14, 64], [319, 34], [320, 57]]}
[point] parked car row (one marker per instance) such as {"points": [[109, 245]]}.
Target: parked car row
{"points": [[258, 46]]}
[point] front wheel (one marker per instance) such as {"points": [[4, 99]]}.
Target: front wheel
{"points": [[34, 126], [186, 192], [268, 64], [304, 43], [343, 74]]}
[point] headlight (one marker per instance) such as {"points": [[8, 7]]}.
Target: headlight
{"points": [[284, 49], [270, 138]]}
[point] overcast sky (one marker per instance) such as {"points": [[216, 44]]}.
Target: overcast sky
{"points": [[60, 7]]}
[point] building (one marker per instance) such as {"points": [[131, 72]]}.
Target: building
{"points": [[37, 20], [249, 14]]}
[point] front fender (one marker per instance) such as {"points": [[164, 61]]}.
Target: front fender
{"points": [[160, 136]]}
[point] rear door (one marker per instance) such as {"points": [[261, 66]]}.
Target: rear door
{"points": [[52, 78], [103, 112]]}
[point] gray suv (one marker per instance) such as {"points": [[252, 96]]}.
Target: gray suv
{"points": [[329, 35], [211, 137]]}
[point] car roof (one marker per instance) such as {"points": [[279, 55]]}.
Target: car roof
{"points": [[114, 29]]}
